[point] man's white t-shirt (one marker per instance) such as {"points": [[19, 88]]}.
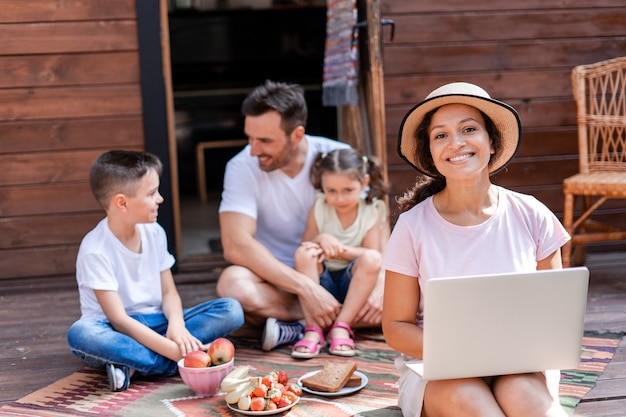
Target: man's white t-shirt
{"points": [[279, 204], [104, 263]]}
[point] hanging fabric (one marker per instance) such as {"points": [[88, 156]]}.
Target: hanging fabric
{"points": [[340, 80]]}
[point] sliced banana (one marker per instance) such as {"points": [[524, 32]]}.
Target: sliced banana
{"points": [[244, 402], [230, 384], [244, 389], [236, 377], [239, 372]]}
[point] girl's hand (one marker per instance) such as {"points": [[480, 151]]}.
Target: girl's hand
{"points": [[331, 246], [313, 250]]}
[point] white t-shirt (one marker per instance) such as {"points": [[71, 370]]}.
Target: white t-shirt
{"points": [[104, 263], [279, 204], [520, 233], [327, 221]]}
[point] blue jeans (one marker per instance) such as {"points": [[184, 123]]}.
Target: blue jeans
{"points": [[97, 343], [337, 282]]}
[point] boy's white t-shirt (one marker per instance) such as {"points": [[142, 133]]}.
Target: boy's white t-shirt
{"points": [[104, 263], [279, 204]]}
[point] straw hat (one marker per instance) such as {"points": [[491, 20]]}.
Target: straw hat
{"points": [[504, 116]]}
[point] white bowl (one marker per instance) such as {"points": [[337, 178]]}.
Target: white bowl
{"points": [[205, 381]]}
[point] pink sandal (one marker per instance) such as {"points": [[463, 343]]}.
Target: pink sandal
{"points": [[341, 341], [312, 346]]}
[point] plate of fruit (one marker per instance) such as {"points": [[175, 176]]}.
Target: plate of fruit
{"points": [[259, 395]]}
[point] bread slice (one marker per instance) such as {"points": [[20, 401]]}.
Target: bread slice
{"points": [[332, 378], [354, 381]]}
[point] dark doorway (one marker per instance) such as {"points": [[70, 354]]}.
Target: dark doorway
{"points": [[220, 52]]}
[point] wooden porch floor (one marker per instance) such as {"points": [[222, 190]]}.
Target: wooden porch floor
{"points": [[34, 351]]}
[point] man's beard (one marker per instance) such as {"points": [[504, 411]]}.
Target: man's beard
{"points": [[273, 163]]}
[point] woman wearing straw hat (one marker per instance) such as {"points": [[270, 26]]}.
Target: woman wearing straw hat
{"points": [[455, 221]]}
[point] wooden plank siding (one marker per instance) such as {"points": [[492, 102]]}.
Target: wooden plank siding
{"points": [[522, 53], [70, 89]]}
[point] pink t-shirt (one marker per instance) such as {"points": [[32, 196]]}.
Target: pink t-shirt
{"points": [[520, 233]]}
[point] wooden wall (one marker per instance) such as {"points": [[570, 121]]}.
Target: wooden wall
{"points": [[521, 52], [69, 90]]}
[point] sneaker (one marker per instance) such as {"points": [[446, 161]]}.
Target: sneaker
{"points": [[278, 333], [119, 377]]}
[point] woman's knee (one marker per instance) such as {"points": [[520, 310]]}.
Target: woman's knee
{"points": [[511, 391], [519, 384], [470, 397]]}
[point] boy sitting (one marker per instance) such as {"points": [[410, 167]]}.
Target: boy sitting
{"points": [[132, 318]]}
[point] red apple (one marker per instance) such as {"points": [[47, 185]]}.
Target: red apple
{"points": [[197, 359], [221, 350]]}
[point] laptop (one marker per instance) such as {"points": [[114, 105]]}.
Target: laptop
{"points": [[501, 324]]}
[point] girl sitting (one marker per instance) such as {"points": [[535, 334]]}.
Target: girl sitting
{"points": [[341, 246]]}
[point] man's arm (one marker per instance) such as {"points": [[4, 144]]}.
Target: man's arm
{"points": [[241, 248]]}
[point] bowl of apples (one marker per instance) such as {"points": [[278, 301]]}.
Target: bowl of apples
{"points": [[203, 371]]}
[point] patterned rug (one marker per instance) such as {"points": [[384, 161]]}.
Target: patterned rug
{"points": [[85, 393], [598, 350]]}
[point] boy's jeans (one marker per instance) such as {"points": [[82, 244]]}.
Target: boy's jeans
{"points": [[97, 343]]}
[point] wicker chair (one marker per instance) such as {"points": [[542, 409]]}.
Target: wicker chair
{"points": [[600, 95]]}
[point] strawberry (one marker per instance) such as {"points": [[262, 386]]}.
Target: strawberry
{"points": [[282, 377], [268, 380], [284, 402], [291, 396], [273, 375], [279, 387], [257, 404], [260, 391], [295, 388], [274, 395]]}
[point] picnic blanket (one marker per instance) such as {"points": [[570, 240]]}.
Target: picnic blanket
{"points": [[85, 393]]}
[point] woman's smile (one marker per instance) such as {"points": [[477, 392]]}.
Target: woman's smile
{"points": [[460, 157]]}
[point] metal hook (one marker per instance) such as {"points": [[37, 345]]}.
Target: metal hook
{"points": [[383, 22], [391, 23], [355, 29]]}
